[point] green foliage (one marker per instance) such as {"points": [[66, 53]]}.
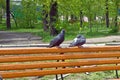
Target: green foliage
{"points": [[26, 14], [90, 8], [2, 3], [2, 27], [2, 7], [114, 30]]}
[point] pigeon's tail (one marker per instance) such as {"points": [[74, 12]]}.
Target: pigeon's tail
{"points": [[49, 46]]}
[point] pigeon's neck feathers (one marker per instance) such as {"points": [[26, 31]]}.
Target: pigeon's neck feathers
{"points": [[75, 40], [82, 36], [62, 33]]}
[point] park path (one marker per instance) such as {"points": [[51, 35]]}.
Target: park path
{"points": [[15, 38], [18, 38], [112, 38]]}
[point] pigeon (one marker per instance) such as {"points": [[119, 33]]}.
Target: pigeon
{"points": [[78, 41], [58, 39]]}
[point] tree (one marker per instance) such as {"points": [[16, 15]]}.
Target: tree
{"points": [[81, 18], [53, 10], [8, 14], [0, 15], [45, 18], [114, 7], [25, 15], [49, 15], [53, 17], [117, 2], [2, 7], [107, 14]]}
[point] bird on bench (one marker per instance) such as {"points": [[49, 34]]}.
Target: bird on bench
{"points": [[78, 41], [55, 42]]}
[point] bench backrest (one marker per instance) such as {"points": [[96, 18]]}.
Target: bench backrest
{"points": [[25, 62]]}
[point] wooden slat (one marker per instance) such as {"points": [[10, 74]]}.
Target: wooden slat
{"points": [[57, 71], [58, 57], [36, 50], [57, 64]]}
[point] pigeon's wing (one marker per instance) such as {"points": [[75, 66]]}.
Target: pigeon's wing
{"points": [[83, 40], [77, 42], [54, 41], [80, 41], [73, 42], [57, 40]]}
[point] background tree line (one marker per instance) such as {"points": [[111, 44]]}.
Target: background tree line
{"points": [[53, 13]]}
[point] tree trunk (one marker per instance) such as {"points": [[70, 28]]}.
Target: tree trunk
{"points": [[116, 19], [8, 14], [0, 15], [53, 18], [66, 18], [90, 19], [81, 19], [107, 14], [90, 23], [45, 20], [116, 25]]}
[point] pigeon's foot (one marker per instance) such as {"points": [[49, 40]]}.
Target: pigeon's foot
{"points": [[76, 67], [80, 47], [58, 47]]}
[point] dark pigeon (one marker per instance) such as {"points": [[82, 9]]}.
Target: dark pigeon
{"points": [[58, 39], [78, 41]]}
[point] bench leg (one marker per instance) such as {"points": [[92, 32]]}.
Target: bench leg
{"points": [[117, 76], [56, 77], [62, 78], [116, 71]]}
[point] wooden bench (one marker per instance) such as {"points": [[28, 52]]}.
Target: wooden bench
{"points": [[27, 62]]}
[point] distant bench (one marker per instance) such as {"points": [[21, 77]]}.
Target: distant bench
{"points": [[28, 62]]}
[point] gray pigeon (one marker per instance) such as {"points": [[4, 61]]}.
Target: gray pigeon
{"points": [[78, 41], [58, 39]]}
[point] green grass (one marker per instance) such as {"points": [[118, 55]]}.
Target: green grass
{"points": [[102, 75], [2, 27], [71, 31]]}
